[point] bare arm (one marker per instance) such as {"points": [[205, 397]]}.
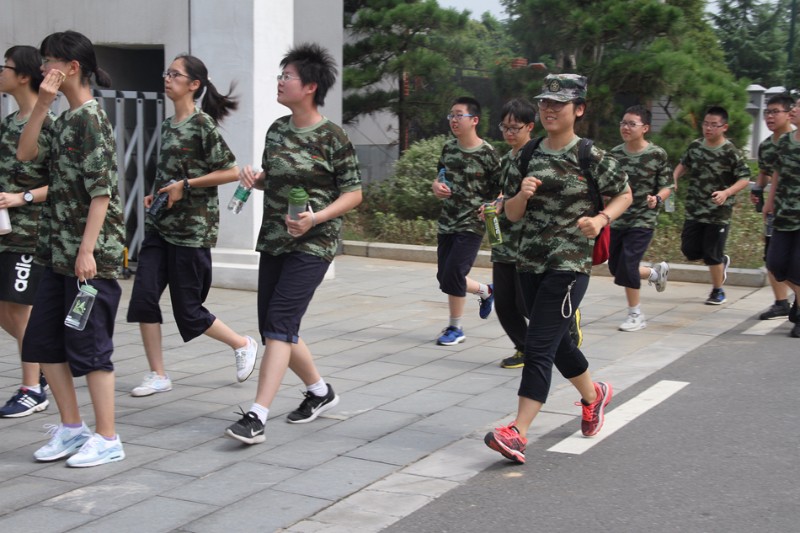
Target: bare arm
{"points": [[591, 226], [344, 203], [679, 171], [85, 265]]}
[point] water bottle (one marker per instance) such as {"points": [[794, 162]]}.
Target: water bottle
{"points": [[298, 202], [159, 202], [81, 307], [492, 224], [5, 222], [758, 192], [239, 198], [442, 178], [669, 205]]}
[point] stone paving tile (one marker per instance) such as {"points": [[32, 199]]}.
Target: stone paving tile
{"points": [[24, 491], [401, 447], [303, 454], [43, 519], [154, 515], [372, 424], [336, 479], [233, 483]]}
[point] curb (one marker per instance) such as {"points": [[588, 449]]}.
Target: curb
{"points": [[742, 277]]}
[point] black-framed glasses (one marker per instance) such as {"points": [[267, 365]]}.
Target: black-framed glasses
{"points": [[770, 112], [712, 125], [3, 67], [630, 124], [551, 104], [172, 74], [458, 117], [510, 129], [286, 77]]}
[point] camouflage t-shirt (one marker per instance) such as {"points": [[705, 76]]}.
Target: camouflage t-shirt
{"points": [[510, 179], [196, 144], [550, 238], [708, 170], [320, 159], [648, 172], [83, 165], [767, 152], [17, 176], [787, 194], [474, 177]]}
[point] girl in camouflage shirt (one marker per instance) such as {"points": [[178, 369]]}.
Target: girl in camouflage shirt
{"points": [[176, 251], [555, 258]]}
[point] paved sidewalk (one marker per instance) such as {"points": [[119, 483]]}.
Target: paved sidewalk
{"points": [[408, 428]]}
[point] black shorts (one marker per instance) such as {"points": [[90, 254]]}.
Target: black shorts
{"points": [[286, 284], [187, 271], [704, 241], [48, 340], [625, 253], [19, 277], [456, 254], [783, 258]]}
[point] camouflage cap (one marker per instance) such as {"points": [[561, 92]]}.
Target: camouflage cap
{"points": [[563, 87]]}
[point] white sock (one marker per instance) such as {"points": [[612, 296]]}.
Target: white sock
{"points": [[455, 322], [35, 388], [318, 389], [653, 275], [261, 412], [483, 291], [635, 310]]}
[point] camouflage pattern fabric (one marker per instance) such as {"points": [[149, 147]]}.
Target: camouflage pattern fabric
{"points": [[767, 154], [550, 238], [83, 165], [195, 143], [18, 176], [648, 172], [474, 177], [709, 170], [787, 194], [510, 178], [320, 159]]}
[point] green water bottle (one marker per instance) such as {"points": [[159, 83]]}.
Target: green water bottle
{"points": [[298, 202], [492, 224]]}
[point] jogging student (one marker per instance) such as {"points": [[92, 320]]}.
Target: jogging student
{"points": [[87, 250], [303, 150], [176, 251], [715, 171], [23, 186], [471, 177], [649, 176], [554, 258]]}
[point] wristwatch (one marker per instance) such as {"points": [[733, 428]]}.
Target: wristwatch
{"points": [[28, 197]]}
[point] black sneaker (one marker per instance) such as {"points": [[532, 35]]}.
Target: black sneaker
{"points": [[793, 314], [312, 407], [515, 361], [777, 310], [795, 331], [248, 429]]}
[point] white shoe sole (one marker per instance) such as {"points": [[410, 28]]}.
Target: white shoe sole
{"points": [[149, 392], [253, 440], [112, 459], [316, 413], [35, 409]]}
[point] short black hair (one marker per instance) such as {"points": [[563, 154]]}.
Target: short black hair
{"points": [[718, 111], [314, 64], [784, 99], [27, 61], [642, 112], [73, 46], [473, 106], [520, 109]]}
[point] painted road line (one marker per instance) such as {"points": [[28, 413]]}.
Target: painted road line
{"points": [[763, 327], [616, 419]]}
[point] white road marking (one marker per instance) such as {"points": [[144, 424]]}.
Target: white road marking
{"points": [[616, 419], [763, 327]]}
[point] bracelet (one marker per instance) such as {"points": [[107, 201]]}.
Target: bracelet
{"points": [[608, 218], [659, 200], [186, 186], [313, 219]]}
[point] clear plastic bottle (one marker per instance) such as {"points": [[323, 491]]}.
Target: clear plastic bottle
{"points": [[442, 178], [298, 202], [669, 205], [492, 224], [239, 198], [81, 307], [5, 222]]}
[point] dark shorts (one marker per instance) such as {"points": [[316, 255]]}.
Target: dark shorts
{"points": [[286, 284], [456, 254], [19, 278], [704, 241], [625, 253], [783, 258], [48, 340], [187, 272]]}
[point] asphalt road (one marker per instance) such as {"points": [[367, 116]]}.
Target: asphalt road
{"points": [[721, 454]]}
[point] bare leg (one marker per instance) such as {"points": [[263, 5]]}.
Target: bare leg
{"points": [[456, 304], [220, 332], [151, 338], [62, 386], [101, 389], [632, 296], [717, 275], [14, 319], [274, 364], [779, 288], [302, 363]]}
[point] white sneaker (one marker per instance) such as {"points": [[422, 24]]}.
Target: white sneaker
{"points": [[151, 384], [633, 323], [98, 451], [62, 443], [662, 269], [245, 359]]}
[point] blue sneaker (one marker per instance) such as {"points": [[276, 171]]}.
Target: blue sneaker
{"points": [[717, 297], [62, 444], [487, 303], [25, 402], [451, 336], [97, 451]]}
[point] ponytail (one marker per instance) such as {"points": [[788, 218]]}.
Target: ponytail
{"points": [[102, 78]]}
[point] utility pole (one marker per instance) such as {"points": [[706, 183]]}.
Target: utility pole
{"points": [[790, 46]]}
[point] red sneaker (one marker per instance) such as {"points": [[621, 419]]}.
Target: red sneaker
{"points": [[508, 442], [593, 414]]}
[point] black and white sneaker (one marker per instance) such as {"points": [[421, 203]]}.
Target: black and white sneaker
{"points": [[312, 407], [248, 429]]}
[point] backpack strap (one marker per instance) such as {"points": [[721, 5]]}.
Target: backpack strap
{"points": [[526, 154], [584, 161]]}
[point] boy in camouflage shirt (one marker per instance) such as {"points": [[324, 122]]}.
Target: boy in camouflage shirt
{"points": [[471, 177], [303, 150], [716, 171], [649, 176]]}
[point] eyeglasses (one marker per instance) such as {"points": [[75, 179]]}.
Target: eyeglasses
{"points": [[172, 74], [458, 117], [552, 105], [770, 112], [510, 129], [712, 125], [286, 77], [629, 124], [3, 67], [47, 60]]}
